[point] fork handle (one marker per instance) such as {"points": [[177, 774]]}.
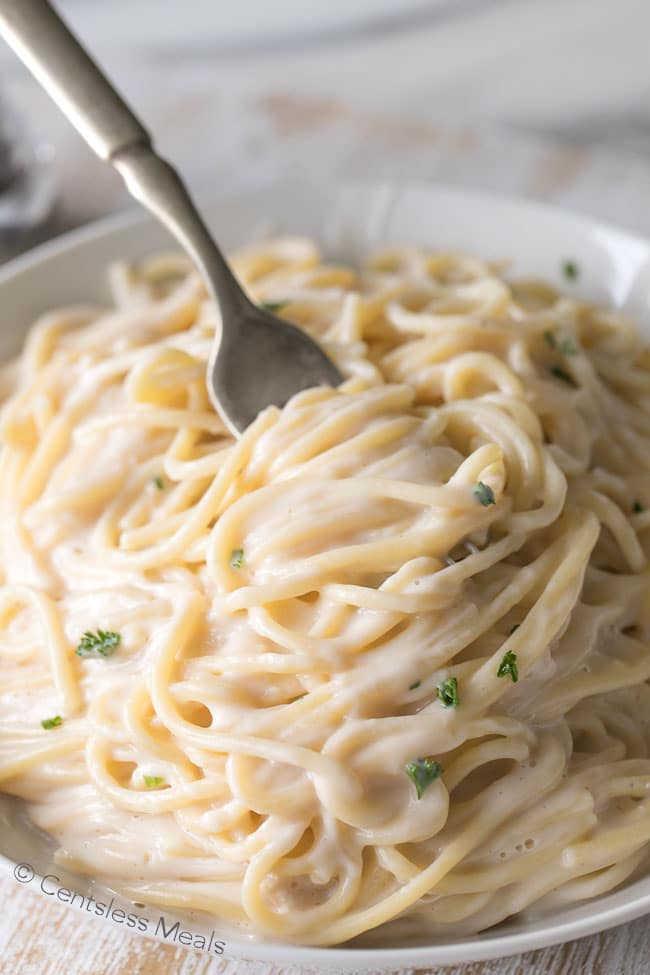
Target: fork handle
{"points": [[85, 95], [70, 76]]}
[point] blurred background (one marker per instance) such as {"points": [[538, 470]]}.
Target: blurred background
{"points": [[543, 98]]}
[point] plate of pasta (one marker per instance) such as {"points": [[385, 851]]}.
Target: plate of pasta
{"points": [[366, 687]]}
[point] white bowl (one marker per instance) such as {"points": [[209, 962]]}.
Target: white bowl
{"points": [[350, 221]]}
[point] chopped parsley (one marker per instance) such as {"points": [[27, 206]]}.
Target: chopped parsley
{"points": [[637, 507], [448, 693], [484, 493], [272, 306], [562, 374], [508, 667], [422, 772], [236, 558], [570, 270], [158, 481], [565, 346], [48, 723], [103, 643], [153, 781], [414, 685]]}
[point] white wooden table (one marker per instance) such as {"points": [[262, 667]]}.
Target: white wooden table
{"points": [[224, 144]]}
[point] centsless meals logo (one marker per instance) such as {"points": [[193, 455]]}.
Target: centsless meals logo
{"points": [[163, 928]]}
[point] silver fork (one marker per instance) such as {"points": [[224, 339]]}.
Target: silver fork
{"points": [[256, 358]]}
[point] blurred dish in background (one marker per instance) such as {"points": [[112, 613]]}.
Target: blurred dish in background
{"points": [[28, 183], [230, 28]]}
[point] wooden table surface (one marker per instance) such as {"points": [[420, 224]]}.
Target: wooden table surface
{"points": [[38, 937], [283, 137]]}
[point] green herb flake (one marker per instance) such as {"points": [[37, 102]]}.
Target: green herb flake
{"points": [[158, 481], [570, 270], [422, 772], [272, 306], [448, 693], [562, 374], [153, 781], [103, 643], [484, 493], [414, 685], [236, 558], [49, 723], [565, 346], [508, 667], [637, 507]]}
